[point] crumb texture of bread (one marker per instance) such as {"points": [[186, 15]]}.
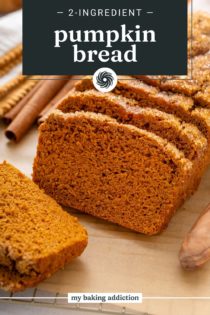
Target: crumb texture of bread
{"points": [[199, 34], [113, 171], [37, 237], [185, 136]]}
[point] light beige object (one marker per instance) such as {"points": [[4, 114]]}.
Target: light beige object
{"points": [[195, 250], [10, 5]]}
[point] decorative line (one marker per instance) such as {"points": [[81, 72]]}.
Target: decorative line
{"points": [[176, 297]]}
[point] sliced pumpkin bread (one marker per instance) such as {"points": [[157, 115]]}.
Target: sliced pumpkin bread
{"points": [[37, 237], [196, 81], [186, 137], [146, 95], [172, 103], [114, 171]]}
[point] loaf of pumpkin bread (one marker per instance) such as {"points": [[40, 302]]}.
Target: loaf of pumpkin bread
{"points": [[111, 146], [114, 171]]}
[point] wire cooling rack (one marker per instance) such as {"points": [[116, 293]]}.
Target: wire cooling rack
{"points": [[40, 298]]}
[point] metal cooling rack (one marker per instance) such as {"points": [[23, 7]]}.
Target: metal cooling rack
{"points": [[40, 298]]}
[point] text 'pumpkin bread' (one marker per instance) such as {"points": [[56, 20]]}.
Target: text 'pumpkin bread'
{"points": [[114, 171], [37, 237]]}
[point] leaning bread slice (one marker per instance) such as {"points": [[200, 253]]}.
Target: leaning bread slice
{"points": [[37, 237], [113, 171]]}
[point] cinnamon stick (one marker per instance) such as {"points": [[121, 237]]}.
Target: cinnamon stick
{"points": [[195, 250], [30, 112], [10, 116], [53, 103]]}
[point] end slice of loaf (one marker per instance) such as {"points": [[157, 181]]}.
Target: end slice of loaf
{"points": [[37, 237], [114, 171]]}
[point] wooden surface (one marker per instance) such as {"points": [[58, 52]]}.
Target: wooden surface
{"points": [[118, 260]]}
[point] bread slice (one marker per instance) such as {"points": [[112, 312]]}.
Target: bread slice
{"points": [[198, 77], [203, 96], [199, 44], [198, 66], [179, 105], [201, 22], [37, 237], [186, 137], [146, 95], [114, 171]]}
